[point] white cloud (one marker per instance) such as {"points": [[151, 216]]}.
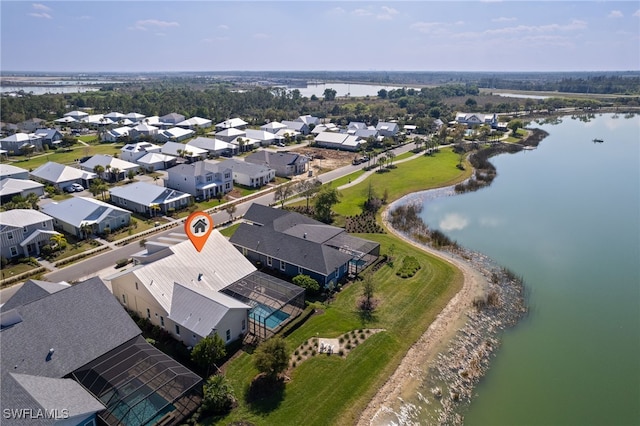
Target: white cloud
{"points": [[361, 12], [572, 26], [615, 14], [637, 13], [387, 13], [336, 11], [430, 27], [41, 15], [453, 222], [223, 27], [146, 24], [40, 6], [214, 39], [504, 19]]}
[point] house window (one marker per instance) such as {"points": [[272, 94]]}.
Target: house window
{"points": [[209, 178], [124, 299], [299, 270], [227, 186], [136, 285], [227, 175], [148, 313], [283, 265], [244, 251], [25, 230], [14, 250], [269, 261], [177, 329], [44, 224], [244, 324], [161, 321], [10, 235], [228, 335]]}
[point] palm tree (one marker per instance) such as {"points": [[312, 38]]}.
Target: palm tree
{"points": [[116, 173], [58, 241], [154, 208], [108, 169], [381, 162], [99, 170], [86, 230]]}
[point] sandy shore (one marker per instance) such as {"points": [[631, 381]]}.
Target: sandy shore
{"points": [[439, 333]]}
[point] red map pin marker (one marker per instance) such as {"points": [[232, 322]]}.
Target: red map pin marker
{"points": [[198, 226]]}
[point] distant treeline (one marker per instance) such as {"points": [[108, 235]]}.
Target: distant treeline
{"points": [[606, 85]]}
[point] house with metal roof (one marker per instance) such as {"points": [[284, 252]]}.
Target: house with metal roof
{"points": [[50, 137], [249, 174], [115, 168], [285, 164], [273, 126], [214, 147], [237, 123], [143, 130], [83, 216], [146, 198], [309, 120], [202, 179], [195, 123], [10, 171], [133, 151], [135, 117], [15, 144], [387, 129], [115, 135], [76, 115], [295, 244], [10, 188], [31, 124], [23, 232], [65, 362], [476, 119], [115, 116], [230, 134], [61, 176], [265, 138], [156, 161], [175, 134], [298, 126], [172, 118], [338, 141], [190, 153]]}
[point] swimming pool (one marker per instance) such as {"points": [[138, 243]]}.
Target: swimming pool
{"points": [[260, 313], [139, 408]]}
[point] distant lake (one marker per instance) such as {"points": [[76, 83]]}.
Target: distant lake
{"points": [[344, 89], [565, 217], [518, 95]]}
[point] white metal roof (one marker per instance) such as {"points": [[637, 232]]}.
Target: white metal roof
{"points": [[78, 211], [58, 173], [22, 217]]}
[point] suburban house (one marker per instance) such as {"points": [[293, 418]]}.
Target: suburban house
{"points": [[298, 126], [31, 124], [65, 120], [50, 137], [115, 168], [84, 216], [10, 188], [172, 118], [174, 134], [202, 179], [178, 289], [328, 127], [285, 164], [387, 129], [156, 161], [133, 151], [237, 123], [115, 135], [190, 153], [73, 355], [249, 174], [23, 232], [135, 117], [228, 135], [265, 138], [149, 199], [76, 115], [9, 171], [143, 130], [195, 123], [115, 116], [475, 119], [17, 143], [273, 127], [62, 176], [309, 120], [294, 244], [338, 141], [214, 147]]}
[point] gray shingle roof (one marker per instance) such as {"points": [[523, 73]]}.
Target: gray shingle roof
{"points": [[274, 159], [30, 291]]}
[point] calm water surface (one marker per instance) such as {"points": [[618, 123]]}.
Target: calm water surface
{"points": [[566, 217]]}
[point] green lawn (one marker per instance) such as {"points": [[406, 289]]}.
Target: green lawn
{"points": [[67, 157], [229, 230], [422, 173], [330, 390], [346, 179]]}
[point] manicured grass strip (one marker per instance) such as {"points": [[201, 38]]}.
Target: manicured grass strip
{"points": [[329, 390], [229, 230], [346, 179]]}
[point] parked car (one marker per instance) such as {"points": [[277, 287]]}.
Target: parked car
{"points": [[74, 187]]}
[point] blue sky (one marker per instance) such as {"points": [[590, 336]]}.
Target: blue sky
{"points": [[139, 36]]}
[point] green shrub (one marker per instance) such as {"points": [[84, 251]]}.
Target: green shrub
{"points": [[306, 282], [409, 267]]}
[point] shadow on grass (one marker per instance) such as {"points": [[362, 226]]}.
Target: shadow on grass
{"points": [[264, 394]]}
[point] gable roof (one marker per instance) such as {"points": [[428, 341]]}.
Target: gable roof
{"points": [[233, 122], [195, 121], [10, 170], [107, 160], [209, 144], [155, 157], [276, 159], [57, 173], [140, 147], [146, 194], [14, 186], [295, 125], [218, 265], [177, 132], [19, 218], [197, 308], [231, 133], [172, 148], [79, 211], [249, 169], [274, 125]]}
